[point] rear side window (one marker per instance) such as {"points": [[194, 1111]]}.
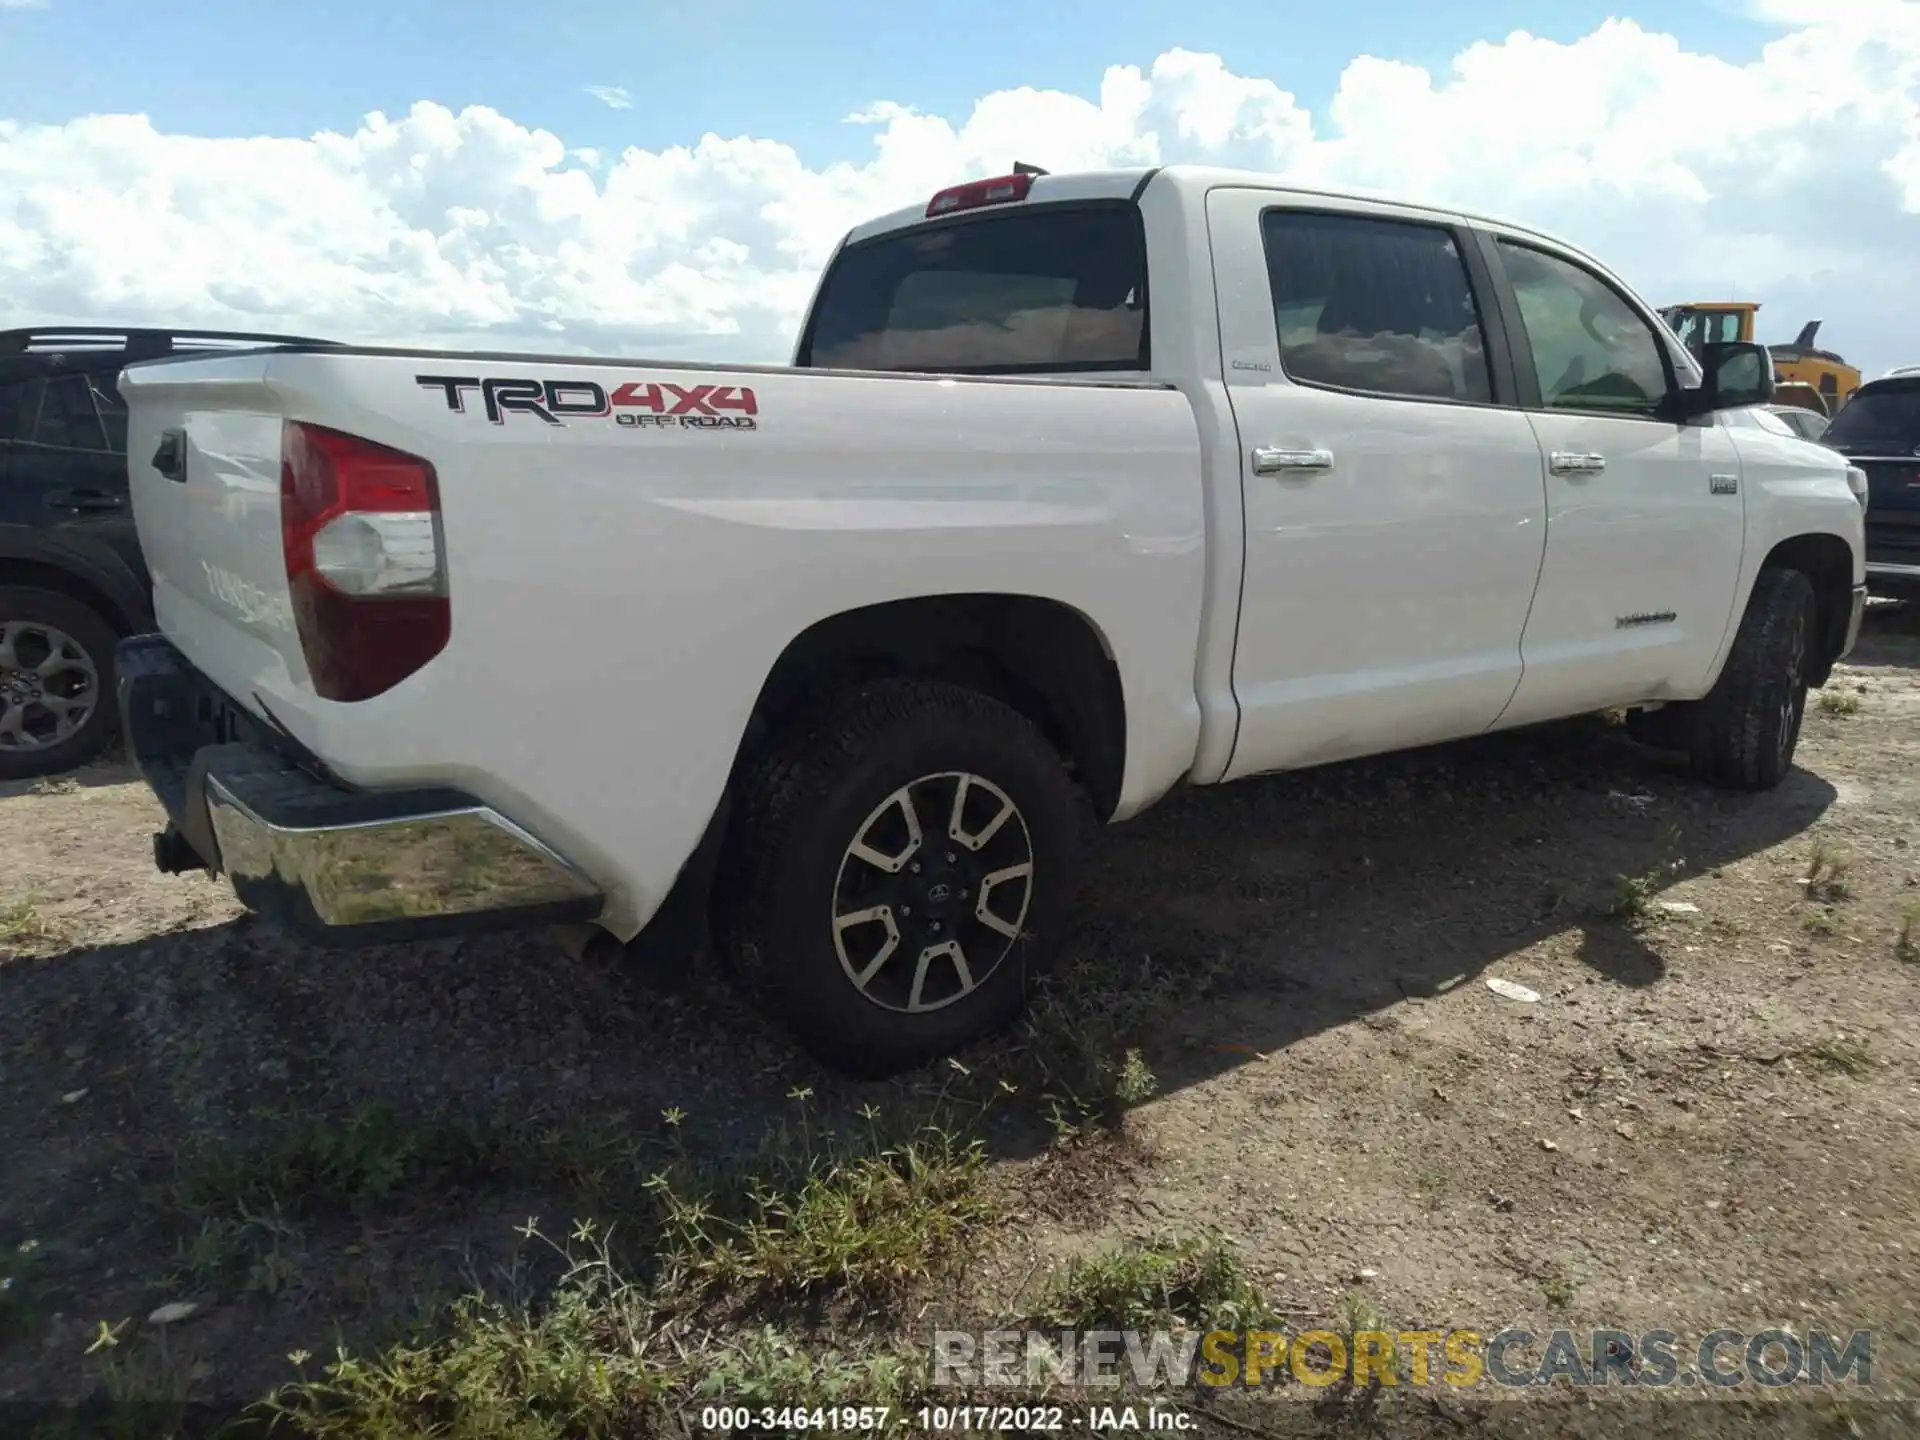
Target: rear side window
{"points": [[1382, 306], [1879, 419], [1051, 289], [19, 404], [68, 420]]}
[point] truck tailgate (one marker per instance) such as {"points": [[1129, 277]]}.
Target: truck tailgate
{"points": [[203, 460]]}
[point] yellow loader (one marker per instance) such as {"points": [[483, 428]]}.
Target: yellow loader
{"points": [[1797, 368]]}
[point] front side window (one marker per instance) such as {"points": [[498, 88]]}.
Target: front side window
{"points": [[113, 411], [1591, 349], [1046, 290], [1380, 306]]}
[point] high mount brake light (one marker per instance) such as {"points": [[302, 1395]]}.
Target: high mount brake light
{"points": [[1001, 190], [366, 561]]}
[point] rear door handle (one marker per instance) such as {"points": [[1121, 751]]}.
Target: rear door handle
{"points": [[1272, 460], [170, 456], [86, 500], [1576, 462]]}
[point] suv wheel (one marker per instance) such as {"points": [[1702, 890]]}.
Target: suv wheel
{"points": [[57, 704], [1743, 732], [903, 867]]}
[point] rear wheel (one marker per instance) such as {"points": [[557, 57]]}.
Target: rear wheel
{"points": [[902, 868], [1742, 735], [56, 682]]}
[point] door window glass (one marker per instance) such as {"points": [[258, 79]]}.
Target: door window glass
{"points": [[1591, 349], [19, 402], [1381, 306], [67, 417], [113, 411]]}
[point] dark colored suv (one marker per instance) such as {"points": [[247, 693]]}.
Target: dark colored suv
{"points": [[71, 578], [1879, 430]]}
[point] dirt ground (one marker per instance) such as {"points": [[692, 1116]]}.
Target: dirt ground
{"points": [[1710, 1116]]}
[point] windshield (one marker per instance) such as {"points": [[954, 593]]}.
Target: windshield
{"points": [[1048, 289], [1879, 420]]}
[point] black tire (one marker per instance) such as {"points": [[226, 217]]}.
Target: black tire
{"points": [[790, 870], [1743, 732], [91, 634]]}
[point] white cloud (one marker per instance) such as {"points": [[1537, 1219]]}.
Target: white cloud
{"points": [[1794, 180], [26, 4], [614, 97]]}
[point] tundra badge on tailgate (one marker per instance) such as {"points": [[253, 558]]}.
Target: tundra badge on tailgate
{"points": [[635, 405]]}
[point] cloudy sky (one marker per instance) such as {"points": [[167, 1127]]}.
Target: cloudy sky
{"points": [[667, 175]]}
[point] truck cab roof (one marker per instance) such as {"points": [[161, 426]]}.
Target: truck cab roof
{"points": [[1191, 181]]}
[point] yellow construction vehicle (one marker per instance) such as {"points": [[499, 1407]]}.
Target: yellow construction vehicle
{"points": [[1799, 364]]}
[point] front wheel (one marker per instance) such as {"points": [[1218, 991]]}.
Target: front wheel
{"points": [[1743, 733], [903, 867]]}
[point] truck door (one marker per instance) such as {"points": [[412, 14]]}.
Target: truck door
{"points": [[1393, 496], [1645, 520], [68, 472]]}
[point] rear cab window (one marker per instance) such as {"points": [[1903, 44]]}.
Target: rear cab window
{"points": [[1382, 307], [1043, 290]]}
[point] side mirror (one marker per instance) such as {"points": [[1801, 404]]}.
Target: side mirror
{"points": [[1737, 374]]}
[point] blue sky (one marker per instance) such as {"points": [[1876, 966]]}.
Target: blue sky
{"points": [[1677, 143], [779, 68]]}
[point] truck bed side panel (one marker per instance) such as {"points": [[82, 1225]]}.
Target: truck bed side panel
{"points": [[622, 582]]}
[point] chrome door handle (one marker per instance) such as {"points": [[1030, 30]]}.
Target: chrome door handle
{"points": [[1271, 460], [1574, 462]]}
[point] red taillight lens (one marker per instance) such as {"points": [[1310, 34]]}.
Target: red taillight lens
{"points": [[1001, 190], [366, 564]]}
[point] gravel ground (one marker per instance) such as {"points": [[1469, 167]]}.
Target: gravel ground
{"points": [[1707, 1118]]}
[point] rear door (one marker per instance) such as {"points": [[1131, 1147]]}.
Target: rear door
{"points": [[1393, 495], [67, 470], [1646, 522], [1879, 430]]}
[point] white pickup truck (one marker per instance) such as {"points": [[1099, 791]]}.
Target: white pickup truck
{"points": [[1079, 488]]}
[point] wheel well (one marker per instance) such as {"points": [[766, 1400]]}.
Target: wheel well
{"points": [[1827, 562], [42, 576], [1044, 659]]}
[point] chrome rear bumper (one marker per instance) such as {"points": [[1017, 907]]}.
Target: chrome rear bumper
{"points": [[338, 865], [439, 863]]}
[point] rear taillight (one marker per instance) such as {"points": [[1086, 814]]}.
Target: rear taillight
{"points": [[1001, 190], [366, 562]]}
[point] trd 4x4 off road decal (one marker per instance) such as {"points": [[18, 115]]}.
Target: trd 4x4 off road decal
{"points": [[635, 405]]}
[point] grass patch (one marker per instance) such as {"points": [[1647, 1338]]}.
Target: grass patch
{"points": [[66, 785], [300, 1164], [1819, 922], [604, 1356], [1633, 893], [1361, 1325], [817, 1224], [1827, 866], [868, 1222], [1199, 1283], [1838, 702], [1559, 1288], [1840, 1056], [1083, 1044], [23, 928]]}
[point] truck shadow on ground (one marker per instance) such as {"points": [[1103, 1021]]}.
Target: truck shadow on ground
{"points": [[1225, 921]]}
